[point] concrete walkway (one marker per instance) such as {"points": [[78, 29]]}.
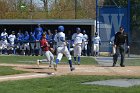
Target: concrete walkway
{"points": [[104, 61], [108, 61], [116, 82]]}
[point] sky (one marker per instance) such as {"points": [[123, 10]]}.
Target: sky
{"points": [[40, 3]]}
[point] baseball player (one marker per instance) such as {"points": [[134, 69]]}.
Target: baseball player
{"points": [[38, 34], [19, 43], [85, 43], [12, 38], [26, 47], [32, 43], [77, 44], [96, 43], [45, 48], [4, 41], [62, 48]]}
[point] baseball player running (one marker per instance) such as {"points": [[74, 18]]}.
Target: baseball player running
{"points": [[45, 48], [78, 40], [62, 48]]}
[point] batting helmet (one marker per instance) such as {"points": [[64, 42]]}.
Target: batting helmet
{"points": [[78, 29], [84, 31], [61, 28], [96, 33]]}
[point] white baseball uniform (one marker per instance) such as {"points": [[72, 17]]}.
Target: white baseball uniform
{"points": [[78, 39], [85, 39], [4, 40], [12, 39], [61, 46], [96, 41]]}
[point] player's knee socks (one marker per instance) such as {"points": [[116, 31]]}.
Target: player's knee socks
{"points": [[70, 63], [74, 58], [85, 52], [57, 61], [14, 51], [5, 51], [78, 59]]}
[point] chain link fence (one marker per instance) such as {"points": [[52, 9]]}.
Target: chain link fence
{"points": [[135, 27]]}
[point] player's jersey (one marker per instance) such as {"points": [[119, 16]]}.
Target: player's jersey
{"points": [[43, 44], [4, 35], [85, 37], [12, 38], [78, 38], [96, 40], [60, 39]]}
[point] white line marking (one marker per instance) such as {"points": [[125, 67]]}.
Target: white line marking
{"points": [[26, 76]]}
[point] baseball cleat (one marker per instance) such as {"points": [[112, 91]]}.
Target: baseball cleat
{"points": [[78, 63], [122, 65], [72, 68], [50, 66], [38, 62], [55, 66], [75, 62]]}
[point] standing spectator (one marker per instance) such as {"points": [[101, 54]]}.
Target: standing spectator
{"points": [[78, 40], [62, 48], [119, 43], [85, 43], [45, 48], [96, 44]]}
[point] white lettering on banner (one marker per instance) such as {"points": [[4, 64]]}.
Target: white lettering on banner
{"points": [[111, 20], [116, 20]]}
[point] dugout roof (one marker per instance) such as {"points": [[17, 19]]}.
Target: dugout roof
{"points": [[49, 21]]}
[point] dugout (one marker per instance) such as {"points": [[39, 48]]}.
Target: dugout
{"points": [[30, 25], [52, 24]]}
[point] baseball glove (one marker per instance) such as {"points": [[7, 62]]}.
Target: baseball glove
{"points": [[52, 50]]}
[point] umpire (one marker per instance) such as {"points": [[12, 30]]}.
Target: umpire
{"points": [[119, 43]]}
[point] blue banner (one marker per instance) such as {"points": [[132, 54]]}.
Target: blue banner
{"points": [[110, 19]]}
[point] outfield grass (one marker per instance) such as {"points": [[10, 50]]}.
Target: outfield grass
{"points": [[64, 84], [9, 71], [32, 59]]}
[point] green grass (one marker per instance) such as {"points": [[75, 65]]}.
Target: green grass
{"points": [[19, 59], [32, 59], [64, 84], [132, 62], [9, 71]]}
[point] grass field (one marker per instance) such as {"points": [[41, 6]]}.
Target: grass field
{"points": [[132, 62], [64, 84], [9, 71], [32, 59], [60, 84]]}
